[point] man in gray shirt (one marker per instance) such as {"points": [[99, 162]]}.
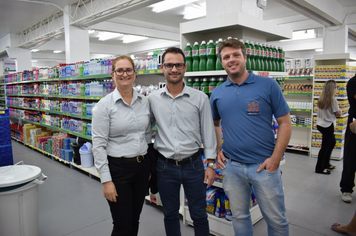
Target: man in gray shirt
{"points": [[184, 121]]}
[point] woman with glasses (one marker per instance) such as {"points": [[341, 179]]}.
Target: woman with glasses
{"points": [[328, 110], [121, 133]]}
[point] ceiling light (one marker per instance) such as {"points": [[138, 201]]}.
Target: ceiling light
{"points": [[195, 11], [34, 60], [169, 4], [133, 57], [57, 51], [34, 50], [132, 38], [91, 31], [108, 35], [319, 50], [150, 54]]}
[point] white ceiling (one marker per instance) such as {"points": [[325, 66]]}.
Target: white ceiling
{"points": [[16, 16]]}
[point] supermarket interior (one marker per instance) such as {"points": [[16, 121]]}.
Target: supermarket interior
{"points": [[56, 59]]}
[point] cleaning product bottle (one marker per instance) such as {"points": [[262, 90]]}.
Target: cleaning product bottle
{"points": [[212, 85], [196, 84], [218, 65], [204, 87], [210, 53], [195, 56], [202, 56], [188, 57]]}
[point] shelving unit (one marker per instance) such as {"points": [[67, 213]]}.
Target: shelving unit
{"points": [[2, 93], [340, 59]]}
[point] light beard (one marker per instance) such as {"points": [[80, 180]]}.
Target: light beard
{"points": [[171, 81]]}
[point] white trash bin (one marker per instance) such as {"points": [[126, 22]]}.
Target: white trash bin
{"points": [[19, 199]]}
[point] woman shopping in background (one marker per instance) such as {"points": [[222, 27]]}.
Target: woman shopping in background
{"points": [[121, 132], [328, 110]]}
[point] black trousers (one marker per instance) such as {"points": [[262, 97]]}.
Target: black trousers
{"points": [[327, 146], [347, 182], [131, 181]]}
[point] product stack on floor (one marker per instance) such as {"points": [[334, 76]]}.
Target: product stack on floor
{"points": [[71, 203]]}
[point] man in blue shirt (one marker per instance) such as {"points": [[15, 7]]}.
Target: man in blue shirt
{"points": [[249, 156]]}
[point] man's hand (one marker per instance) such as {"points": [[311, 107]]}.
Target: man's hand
{"points": [[209, 177], [221, 158], [110, 191], [352, 126], [270, 164]]}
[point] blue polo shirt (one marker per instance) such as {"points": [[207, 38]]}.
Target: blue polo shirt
{"points": [[246, 111]]}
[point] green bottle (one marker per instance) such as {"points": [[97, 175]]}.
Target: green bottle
{"points": [[257, 57], [252, 55], [281, 59], [190, 82], [188, 57], [204, 87], [202, 56], [210, 54], [195, 56], [270, 64], [196, 84], [212, 85], [218, 65], [265, 57], [221, 81], [274, 59], [248, 53]]}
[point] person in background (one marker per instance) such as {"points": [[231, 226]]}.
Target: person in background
{"points": [[349, 229], [328, 110], [347, 182], [121, 132], [184, 121], [250, 156]]}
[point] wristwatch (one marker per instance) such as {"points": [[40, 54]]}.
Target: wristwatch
{"points": [[212, 165]]}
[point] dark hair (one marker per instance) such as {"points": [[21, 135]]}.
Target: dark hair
{"points": [[232, 43], [123, 57], [173, 50]]}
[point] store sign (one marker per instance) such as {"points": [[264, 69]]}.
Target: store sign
{"points": [[9, 66]]}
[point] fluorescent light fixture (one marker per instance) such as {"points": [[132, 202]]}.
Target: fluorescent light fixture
{"points": [[91, 31], [303, 34], [169, 4], [150, 54], [195, 11], [132, 38], [319, 50], [34, 60], [34, 50], [133, 57], [108, 35], [57, 51]]}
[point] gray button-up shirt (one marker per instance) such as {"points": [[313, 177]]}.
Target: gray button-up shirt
{"points": [[183, 123], [119, 129]]}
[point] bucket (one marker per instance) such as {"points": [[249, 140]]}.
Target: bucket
{"points": [[19, 199], [76, 155], [86, 155]]}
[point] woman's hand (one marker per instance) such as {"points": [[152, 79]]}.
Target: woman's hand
{"points": [[110, 191]]}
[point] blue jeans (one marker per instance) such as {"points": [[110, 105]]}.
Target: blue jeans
{"points": [[169, 180], [238, 179]]}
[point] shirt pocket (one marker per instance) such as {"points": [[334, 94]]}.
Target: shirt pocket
{"points": [[252, 106], [188, 121]]}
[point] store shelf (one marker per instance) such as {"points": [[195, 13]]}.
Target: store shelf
{"points": [[299, 94], [53, 112], [303, 126], [337, 98], [337, 80], [298, 77], [297, 149], [149, 72], [57, 96], [343, 115], [335, 56], [300, 109], [336, 132], [54, 128]]}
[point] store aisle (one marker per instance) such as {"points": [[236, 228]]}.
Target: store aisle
{"points": [[71, 203]]}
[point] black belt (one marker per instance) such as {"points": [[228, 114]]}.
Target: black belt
{"points": [[137, 159], [181, 162]]}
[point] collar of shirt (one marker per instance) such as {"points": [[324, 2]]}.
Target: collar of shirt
{"points": [[184, 91], [135, 96], [249, 80]]}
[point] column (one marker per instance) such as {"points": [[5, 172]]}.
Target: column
{"points": [[21, 56], [76, 41], [335, 39]]}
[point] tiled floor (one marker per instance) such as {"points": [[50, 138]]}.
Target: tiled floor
{"points": [[71, 203]]}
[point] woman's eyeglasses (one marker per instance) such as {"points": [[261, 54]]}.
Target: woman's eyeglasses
{"points": [[128, 71]]}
